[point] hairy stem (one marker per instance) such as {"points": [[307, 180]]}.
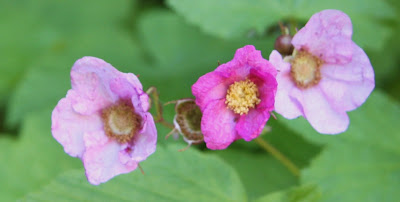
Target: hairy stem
{"points": [[159, 110]]}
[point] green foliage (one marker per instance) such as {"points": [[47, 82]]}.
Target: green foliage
{"points": [[67, 39], [356, 172], [229, 19], [305, 193], [170, 176], [179, 59], [33, 160], [364, 160], [260, 173]]}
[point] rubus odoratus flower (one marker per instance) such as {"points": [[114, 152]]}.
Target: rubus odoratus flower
{"points": [[236, 99], [104, 120], [327, 75]]}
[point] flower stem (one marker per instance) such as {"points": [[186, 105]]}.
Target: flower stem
{"points": [[279, 156], [158, 106]]}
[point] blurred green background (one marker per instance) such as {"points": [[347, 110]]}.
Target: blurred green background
{"points": [[169, 44]]}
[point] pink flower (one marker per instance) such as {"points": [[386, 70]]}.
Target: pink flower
{"points": [[236, 98], [103, 120], [327, 75]]}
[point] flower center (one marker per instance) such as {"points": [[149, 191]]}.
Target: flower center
{"points": [[120, 121], [305, 69], [241, 96]]}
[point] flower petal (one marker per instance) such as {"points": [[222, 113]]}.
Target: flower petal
{"points": [[321, 115], [102, 159], [144, 144], [68, 126], [327, 35], [90, 78], [218, 125], [209, 87], [124, 85], [348, 86], [250, 125], [285, 102], [267, 85]]}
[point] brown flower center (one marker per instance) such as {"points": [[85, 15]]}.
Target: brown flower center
{"points": [[305, 69], [120, 121], [241, 96]]}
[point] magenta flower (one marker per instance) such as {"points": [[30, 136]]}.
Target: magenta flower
{"points": [[327, 75], [103, 120], [236, 98]]}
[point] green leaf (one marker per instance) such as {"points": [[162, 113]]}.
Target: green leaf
{"points": [[181, 53], [32, 160], [259, 172], [229, 18], [32, 29], [236, 18], [305, 193], [356, 172], [361, 164], [62, 32], [170, 176], [386, 62], [291, 144]]}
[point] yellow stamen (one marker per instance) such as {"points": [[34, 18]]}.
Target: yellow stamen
{"points": [[242, 96]]}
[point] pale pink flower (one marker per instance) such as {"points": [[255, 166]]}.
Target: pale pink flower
{"points": [[236, 98], [103, 120], [327, 75]]}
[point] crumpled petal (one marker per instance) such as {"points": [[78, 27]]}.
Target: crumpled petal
{"points": [[209, 87], [218, 125], [348, 86], [101, 158], [145, 141], [327, 35], [285, 104], [321, 115], [68, 126], [90, 78], [267, 85], [249, 126]]}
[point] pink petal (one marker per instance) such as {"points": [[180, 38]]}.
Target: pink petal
{"points": [[144, 144], [250, 125], [327, 35], [267, 85], [286, 103], [247, 58], [209, 87], [277, 61], [102, 159], [90, 78], [144, 100], [321, 115], [124, 85], [218, 125], [348, 86], [68, 126]]}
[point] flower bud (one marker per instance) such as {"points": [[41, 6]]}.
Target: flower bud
{"points": [[283, 44]]}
